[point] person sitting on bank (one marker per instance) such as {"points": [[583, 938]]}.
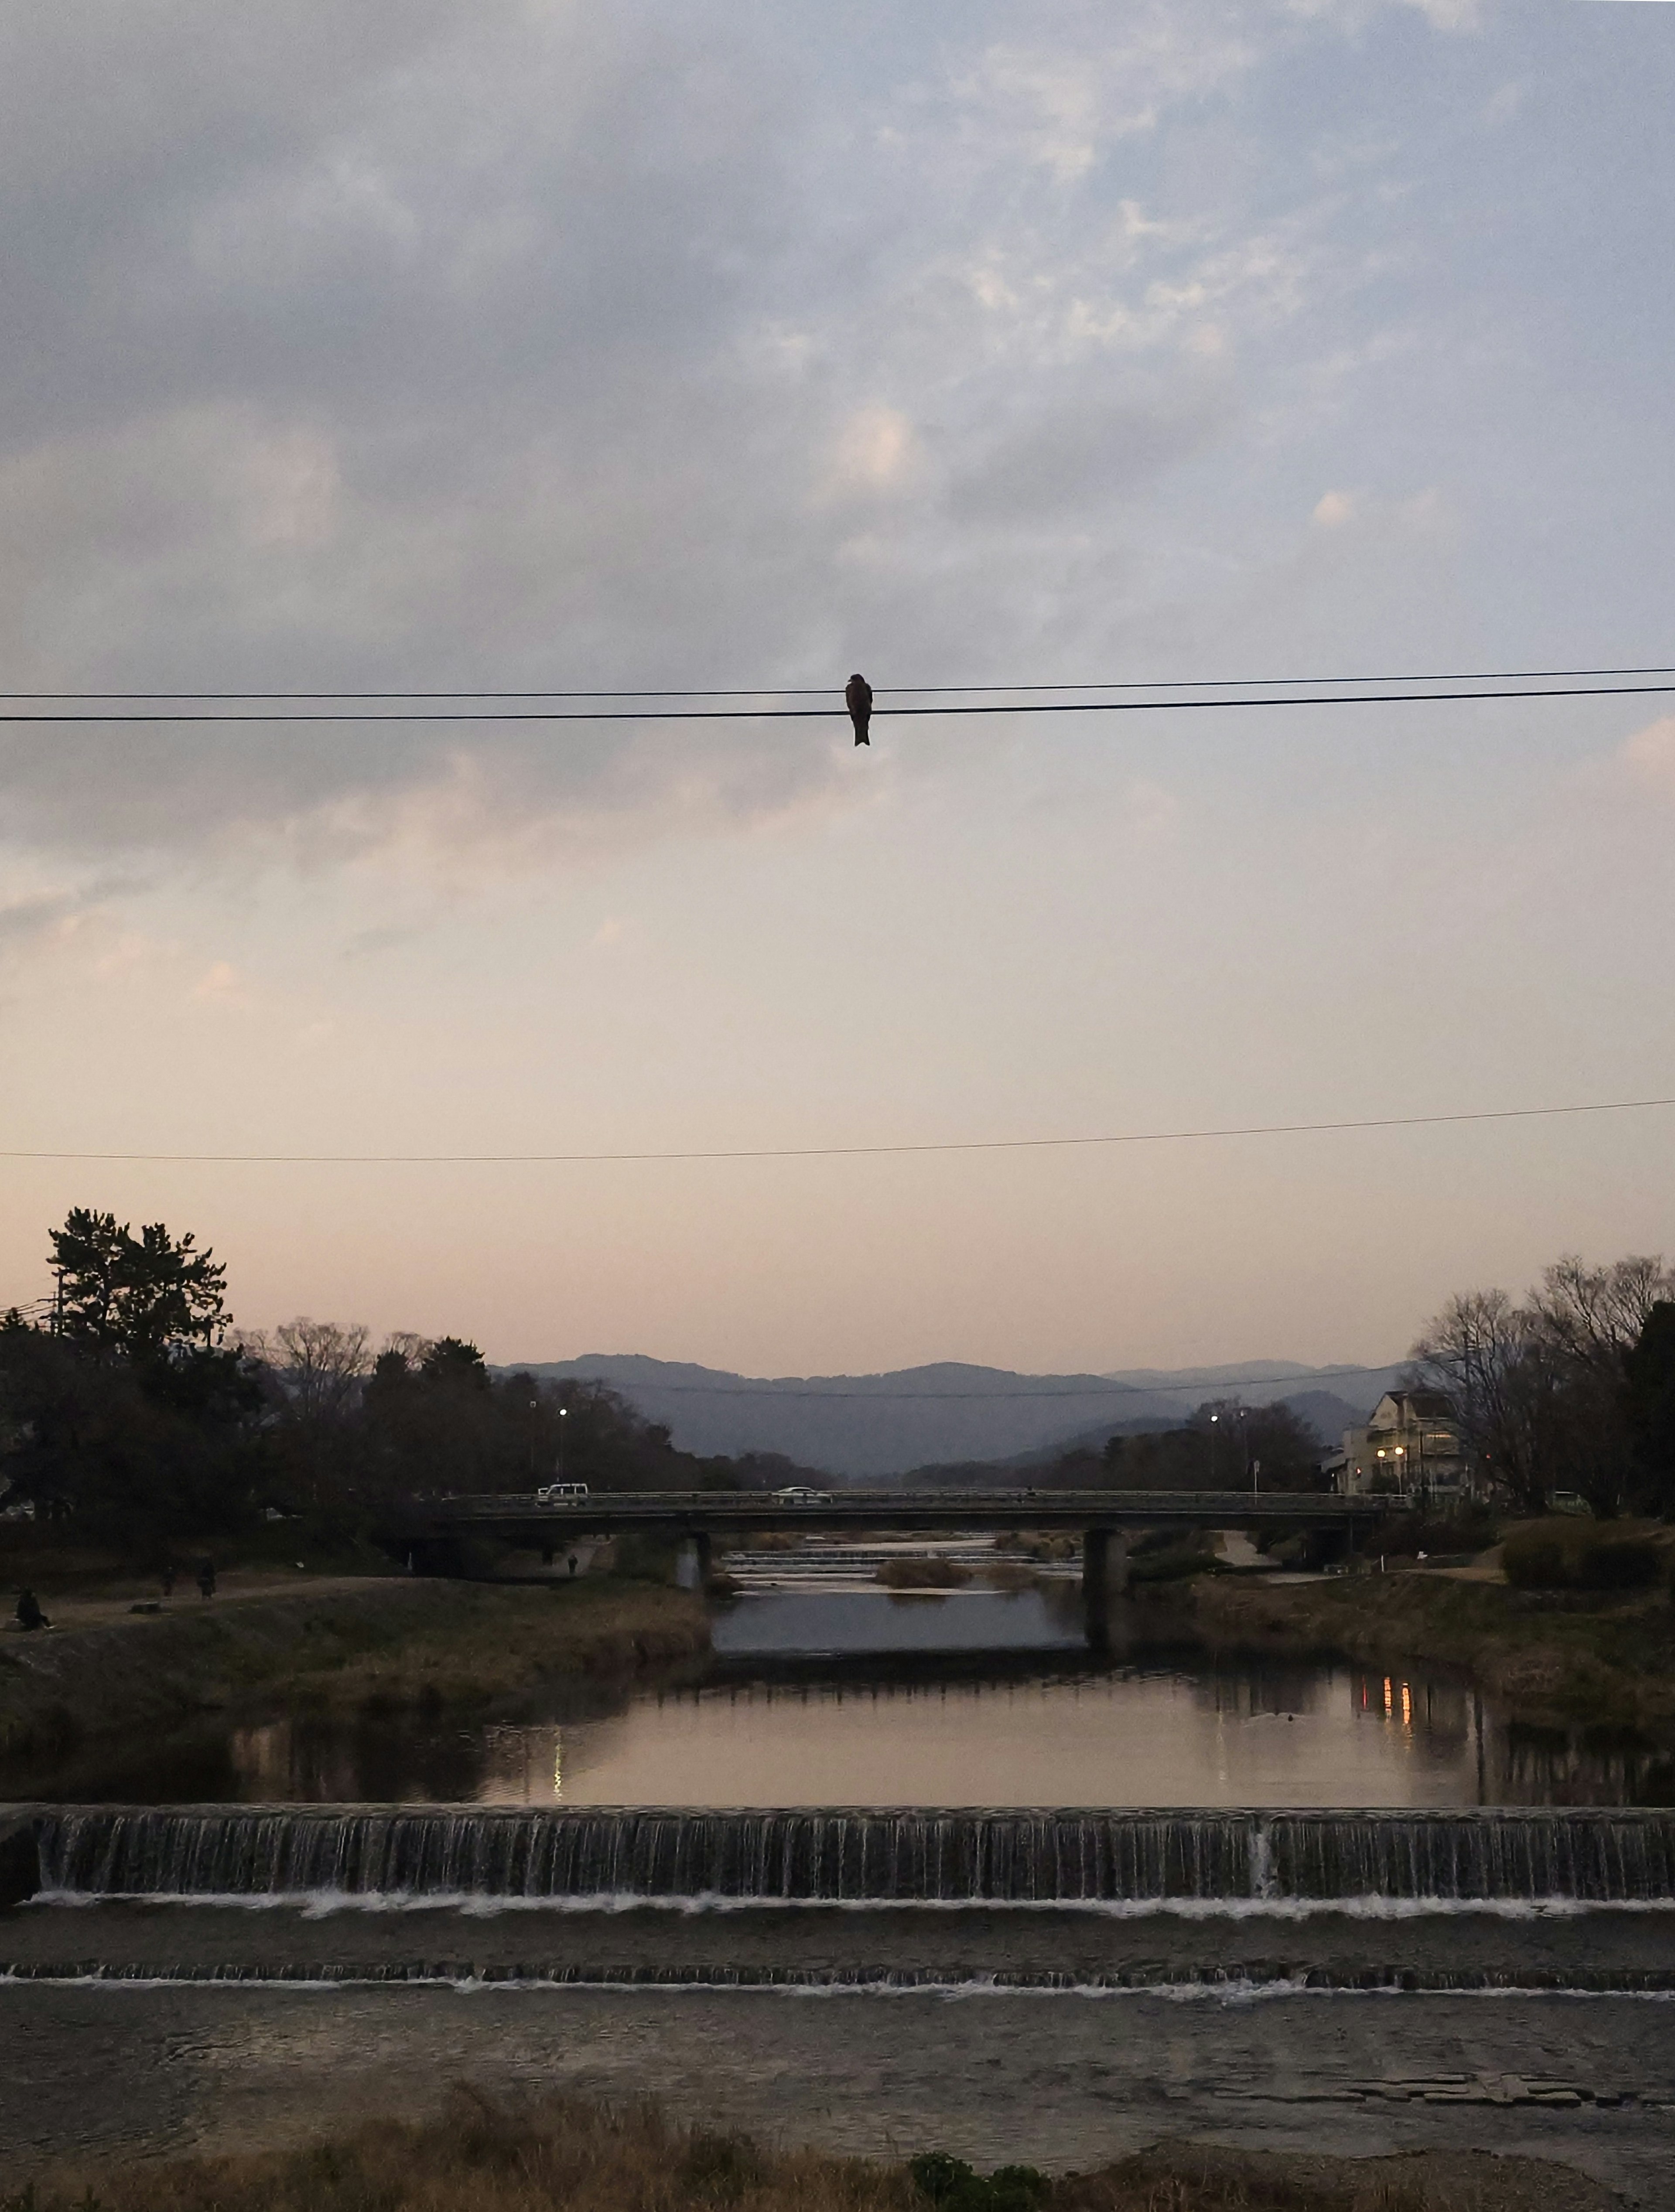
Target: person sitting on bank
{"points": [[29, 1615]]}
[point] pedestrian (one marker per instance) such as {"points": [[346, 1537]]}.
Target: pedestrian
{"points": [[206, 1578], [29, 1615], [572, 1563], [168, 1579]]}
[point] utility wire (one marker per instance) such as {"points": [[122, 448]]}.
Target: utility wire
{"points": [[843, 1151], [1099, 1389], [840, 713], [891, 690]]}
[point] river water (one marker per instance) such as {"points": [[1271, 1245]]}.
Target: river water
{"points": [[861, 1698]]}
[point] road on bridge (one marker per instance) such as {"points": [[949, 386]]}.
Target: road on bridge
{"points": [[430, 1533]]}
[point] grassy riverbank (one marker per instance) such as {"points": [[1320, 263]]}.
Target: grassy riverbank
{"points": [[1552, 1657], [378, 1640], [585, 2158]]}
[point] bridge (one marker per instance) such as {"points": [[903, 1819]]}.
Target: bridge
{"points": [[432, 1536]]}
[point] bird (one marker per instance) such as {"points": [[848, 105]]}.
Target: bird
{"points": [[858, 698]]}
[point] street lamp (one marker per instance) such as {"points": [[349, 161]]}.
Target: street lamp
{"points": [[1212, 1420], [563, 1415]]}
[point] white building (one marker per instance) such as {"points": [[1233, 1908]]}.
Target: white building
{"points": [[1412, 1441]]}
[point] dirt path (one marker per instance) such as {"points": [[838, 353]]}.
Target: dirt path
{"points": [[69, 1613]]}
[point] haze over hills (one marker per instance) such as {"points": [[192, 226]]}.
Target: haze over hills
{"points": [[875, 1426]]}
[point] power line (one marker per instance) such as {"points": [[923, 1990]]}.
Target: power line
{"points": [[840, 1151], [893, 690], [1098, 1389], [837, 712]]}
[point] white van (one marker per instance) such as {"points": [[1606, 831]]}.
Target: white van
{"points": [[560, 1493]]}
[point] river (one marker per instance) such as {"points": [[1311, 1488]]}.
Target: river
{"points": [[861, 1698]]}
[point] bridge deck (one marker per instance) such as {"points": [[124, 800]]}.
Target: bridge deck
{"points": [[721, 1513]]}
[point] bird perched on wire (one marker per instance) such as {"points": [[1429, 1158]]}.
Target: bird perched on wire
{"points": [[858, 698]]}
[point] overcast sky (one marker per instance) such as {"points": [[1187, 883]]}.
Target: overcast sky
{"points": [[436, 344]]}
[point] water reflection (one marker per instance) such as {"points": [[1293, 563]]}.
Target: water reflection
{"points": [[857, 1699], [1049, 1618]]}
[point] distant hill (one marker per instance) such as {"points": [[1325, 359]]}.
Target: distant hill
{"points": [[872, 1427]]}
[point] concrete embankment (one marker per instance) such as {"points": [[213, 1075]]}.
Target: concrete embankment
{"points": [[394, 1640]]}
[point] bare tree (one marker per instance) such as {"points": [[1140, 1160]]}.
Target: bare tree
{"points": [[1587, 1321], [1540, 1389], [1593, 1315], [319, 1366], [1482, 1350]]}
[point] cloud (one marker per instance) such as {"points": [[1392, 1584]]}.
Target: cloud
{"points": [[1084, 453], [1065, 109], [875, 451], [1647, 758], [38, 913], [530, 347], [219, 985], [1334, 509]]}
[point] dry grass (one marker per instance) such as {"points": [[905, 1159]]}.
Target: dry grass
{"points": [[569, 2155], [1010, 1575], [1553, 1658], [932, 1574], [391, 1642], [498, 1644]]}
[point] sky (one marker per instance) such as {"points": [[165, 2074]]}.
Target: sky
{"points": [[508, 344]]}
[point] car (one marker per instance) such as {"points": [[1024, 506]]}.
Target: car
{"points": [[798, 1494], [561, 1494]]}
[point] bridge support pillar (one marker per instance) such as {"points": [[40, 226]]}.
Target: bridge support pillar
{"points": [[1105, 1568], [693, 1572], [1104, 1562]]}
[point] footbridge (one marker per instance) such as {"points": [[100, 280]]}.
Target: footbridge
{"points": [[433, 1536]]}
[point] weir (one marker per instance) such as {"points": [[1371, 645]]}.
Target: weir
{"points": [[848, 1856]]}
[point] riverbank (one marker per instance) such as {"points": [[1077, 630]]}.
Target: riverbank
{"points": [[488, 2157], [96, 2074], [1553, 1658], [341, 1643]]}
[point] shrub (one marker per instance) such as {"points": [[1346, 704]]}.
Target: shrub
{"points": [[1569, 1554], [720, 2168], [922, 1574], [1621, 1563], [954, 2186], [1173, 1561]]}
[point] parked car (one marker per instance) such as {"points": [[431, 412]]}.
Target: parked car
{"points": [[561, 1494]]}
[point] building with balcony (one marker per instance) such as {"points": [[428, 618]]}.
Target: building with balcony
{"points": [[1412, 1441]]}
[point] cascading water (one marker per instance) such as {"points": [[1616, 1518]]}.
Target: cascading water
{"points": [[848, 1856]]}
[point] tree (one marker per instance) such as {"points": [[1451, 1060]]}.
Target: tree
{"points": [[137, 1297], [1587, 1321], [125, 1412], [319, 1366], [1483, 1352], [1650, 1369], [452, 1360], [1542, 1390]]}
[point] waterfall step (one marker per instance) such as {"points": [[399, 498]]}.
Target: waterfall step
{"points": [[850, 1855], [1276, 1976]]}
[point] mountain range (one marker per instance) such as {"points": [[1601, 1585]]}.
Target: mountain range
{"points": [[874, 1427]]}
